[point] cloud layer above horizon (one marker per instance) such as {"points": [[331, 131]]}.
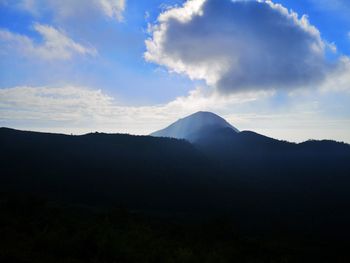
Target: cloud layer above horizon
{"points": [[79, 110], [239, 45]]}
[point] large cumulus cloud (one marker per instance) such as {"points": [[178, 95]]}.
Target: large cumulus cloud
{"points": [[238, 45]]}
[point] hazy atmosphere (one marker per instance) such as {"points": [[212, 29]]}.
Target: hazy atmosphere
{"points": [[280, 68]]}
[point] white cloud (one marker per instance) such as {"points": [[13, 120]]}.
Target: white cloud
{"points": [[55, 44], [239, 45], [74, 8], [54, 104]]}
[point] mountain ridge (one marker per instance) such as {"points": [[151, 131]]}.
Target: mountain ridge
{"points": [[244, 175]]}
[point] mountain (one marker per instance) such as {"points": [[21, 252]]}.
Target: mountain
{"points": [[195, 126], [222, 142], [262, 184], [278, 181], [217, 138], [289, 194]]}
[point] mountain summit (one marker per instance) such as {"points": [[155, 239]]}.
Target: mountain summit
{"points": [[192, 126]]}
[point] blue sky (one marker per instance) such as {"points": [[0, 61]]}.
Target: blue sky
{"points": [[136, 66]]}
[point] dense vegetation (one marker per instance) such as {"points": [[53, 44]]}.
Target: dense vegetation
{"points": [[33, 230], [281, 202]]}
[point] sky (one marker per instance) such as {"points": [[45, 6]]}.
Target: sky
{"points": [[280, 68]]}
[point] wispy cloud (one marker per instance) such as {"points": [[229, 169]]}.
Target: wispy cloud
{"points": [[67, 8], [55, 44], [113, 8]]}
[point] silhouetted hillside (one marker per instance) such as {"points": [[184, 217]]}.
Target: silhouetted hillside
{"points": [[264, 186], [292, 187], [140, 171]]}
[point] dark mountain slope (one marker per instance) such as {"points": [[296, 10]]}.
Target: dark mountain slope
{"points": [[287, 185], [263, 185], [255, 154], [138, 171]]}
